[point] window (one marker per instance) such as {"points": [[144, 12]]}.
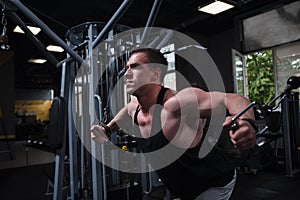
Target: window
{"points": [[240, 81], [269, 70], [170, 78], [287, 61]]}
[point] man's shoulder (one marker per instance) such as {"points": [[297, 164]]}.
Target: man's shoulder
{"points": [[189, 90]]}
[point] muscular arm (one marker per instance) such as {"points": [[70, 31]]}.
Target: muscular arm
{"points": [[192, 101], [218, 101], [121, 120], [245, 136], [236, 103]]}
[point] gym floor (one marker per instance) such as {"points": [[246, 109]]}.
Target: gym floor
{"points": [[29, 181]]}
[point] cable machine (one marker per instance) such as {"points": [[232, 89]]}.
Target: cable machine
{"points": [[87, 176], [288, 119], [90, 92]]}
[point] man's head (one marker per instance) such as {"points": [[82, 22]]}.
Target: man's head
{"points": [[154, 57], [145, 66]]}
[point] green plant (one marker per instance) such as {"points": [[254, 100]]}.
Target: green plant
{"points": [[260, 76]]}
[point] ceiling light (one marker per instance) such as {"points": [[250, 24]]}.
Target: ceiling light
{"points": [[215, 7], [34, 30], [38, 60], [54, 48]]}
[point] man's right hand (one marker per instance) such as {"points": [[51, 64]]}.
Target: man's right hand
{"points": [[98, 134]]}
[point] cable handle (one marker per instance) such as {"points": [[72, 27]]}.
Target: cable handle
{"points": [[234, 126]]}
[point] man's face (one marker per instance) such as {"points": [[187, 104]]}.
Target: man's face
{"points": [[138, 73]]}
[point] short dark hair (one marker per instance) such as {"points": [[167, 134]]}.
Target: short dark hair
{"points": [[154, 56]]}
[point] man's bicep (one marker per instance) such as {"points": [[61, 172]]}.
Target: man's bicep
{"points": [[209, 101]]}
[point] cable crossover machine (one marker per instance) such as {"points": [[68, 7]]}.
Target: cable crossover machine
{"points": [[94, 65]]}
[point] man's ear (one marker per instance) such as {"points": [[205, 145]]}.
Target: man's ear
{"points": [[157, 73]]}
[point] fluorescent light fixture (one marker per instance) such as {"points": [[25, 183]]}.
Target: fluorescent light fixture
{"points": [[215, 7], [54, 48], [36, 60], [34, 30]]}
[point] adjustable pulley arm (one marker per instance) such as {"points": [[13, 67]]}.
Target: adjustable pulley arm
{"points": [[112, 22], [292, 83]]}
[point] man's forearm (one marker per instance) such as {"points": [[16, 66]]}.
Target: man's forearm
{"points": [[236, 103], [121, 120]]}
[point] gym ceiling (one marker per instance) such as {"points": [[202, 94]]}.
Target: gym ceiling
{"points": [[61, 15]]}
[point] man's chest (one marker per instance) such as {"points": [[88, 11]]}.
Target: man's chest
{"points": [[144, 122]]}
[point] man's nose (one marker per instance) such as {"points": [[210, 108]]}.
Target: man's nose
{"points": [[127, 73]]}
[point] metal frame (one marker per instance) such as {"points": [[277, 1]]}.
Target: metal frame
{"points": [[289, 127], [289, 130], [69, 66]]}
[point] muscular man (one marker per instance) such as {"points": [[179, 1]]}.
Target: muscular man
{"points": [[163, 116]]}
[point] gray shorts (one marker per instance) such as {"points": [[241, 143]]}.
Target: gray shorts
{"points": [[219, 193]]}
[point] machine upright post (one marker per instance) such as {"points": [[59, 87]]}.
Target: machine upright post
{"points": [[72, 135], [290, 125], [286, 135], [98, 186]]}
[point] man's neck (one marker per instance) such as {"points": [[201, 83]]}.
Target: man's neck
{"points": [[149, 96]]}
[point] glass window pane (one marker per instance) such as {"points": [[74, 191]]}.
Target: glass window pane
{"points": [[239, 73], [288, 64], [170, 80]]}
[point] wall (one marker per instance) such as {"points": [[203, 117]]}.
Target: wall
{"points": [[32, 107], [219, 47], [38, 108], [7, 91], [37, 102]]}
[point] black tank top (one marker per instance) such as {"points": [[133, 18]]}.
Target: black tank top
{"points": [[189, 175]]}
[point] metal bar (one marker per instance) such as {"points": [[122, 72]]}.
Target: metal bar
{"points": [[59, 157], [273, 100], [72, 135], [98, 176], [297, 119], [151, 18], [47, 30], [243, 111], [115, 175], [58, 176], [98, 187], [112, 22], [234, 126], [82, 132], [165, 39], [153, 13], [69, 59]]}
